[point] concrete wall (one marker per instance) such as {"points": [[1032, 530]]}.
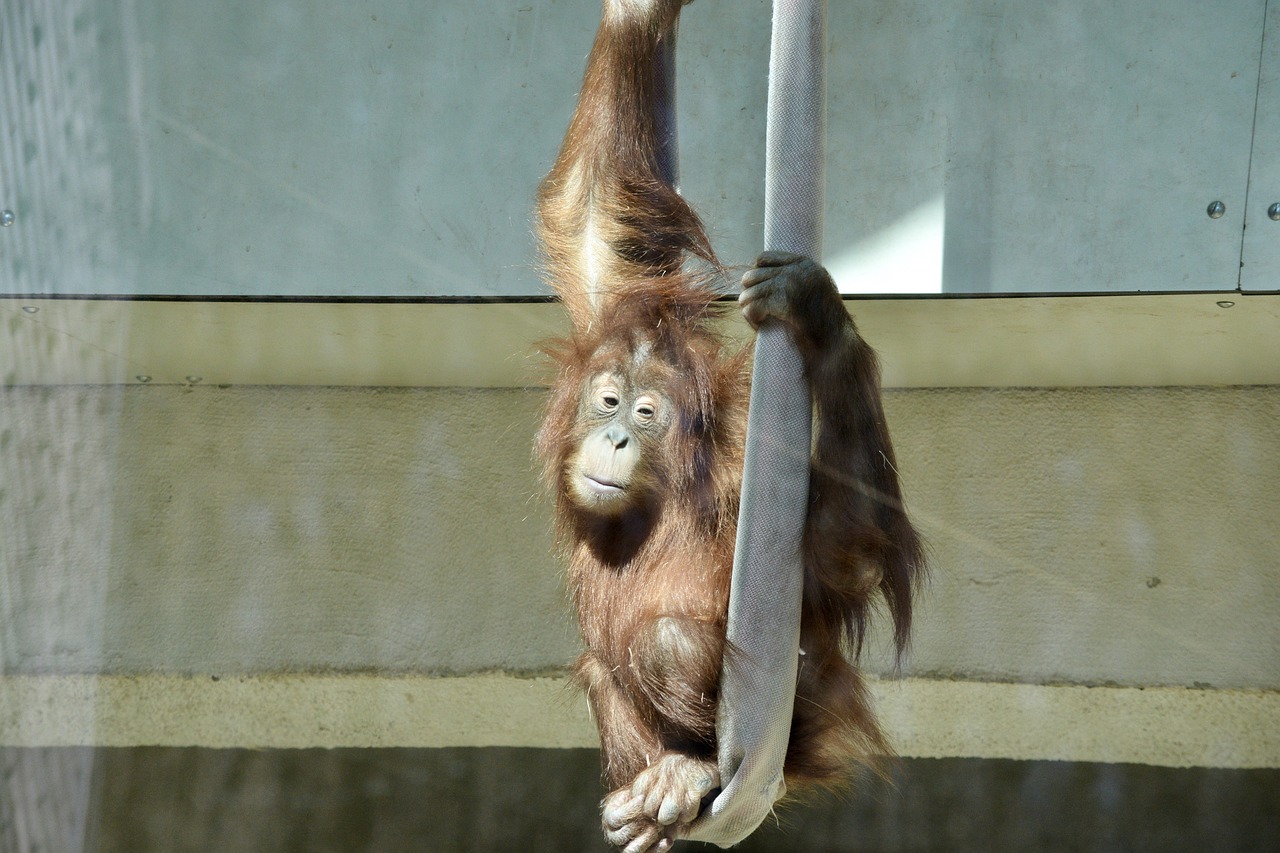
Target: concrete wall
{"points": [[482, 801], [320, 567], [1091, 536]]}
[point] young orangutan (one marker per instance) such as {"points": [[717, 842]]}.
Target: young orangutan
{"points": [[643, 442]]}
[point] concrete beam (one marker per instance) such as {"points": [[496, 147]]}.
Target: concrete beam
{"points": [[1175, 727]]}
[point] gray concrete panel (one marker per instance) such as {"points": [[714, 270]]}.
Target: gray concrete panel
{"points": [[1088, 536], [253, 147]]}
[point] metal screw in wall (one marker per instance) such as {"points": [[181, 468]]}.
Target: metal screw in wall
{"points": [[1274, 212], [6, 218], [1216, 209]]}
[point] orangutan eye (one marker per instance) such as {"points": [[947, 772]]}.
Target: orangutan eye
{"points": [[645, 409], [608, 399]]}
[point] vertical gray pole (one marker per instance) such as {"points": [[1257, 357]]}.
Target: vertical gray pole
{"points": [[757, 690]]}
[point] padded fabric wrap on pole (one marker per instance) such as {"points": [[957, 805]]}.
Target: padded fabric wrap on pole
{"points": [[757, 689]]}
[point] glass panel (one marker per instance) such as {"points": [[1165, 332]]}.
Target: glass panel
{"points": [[276, 568], [1260, 265], [281, 147], [295, 147], [988, 146]]}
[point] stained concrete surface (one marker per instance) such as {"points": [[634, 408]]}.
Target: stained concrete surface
{"points": [[1090, 536], [487, 800]]}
